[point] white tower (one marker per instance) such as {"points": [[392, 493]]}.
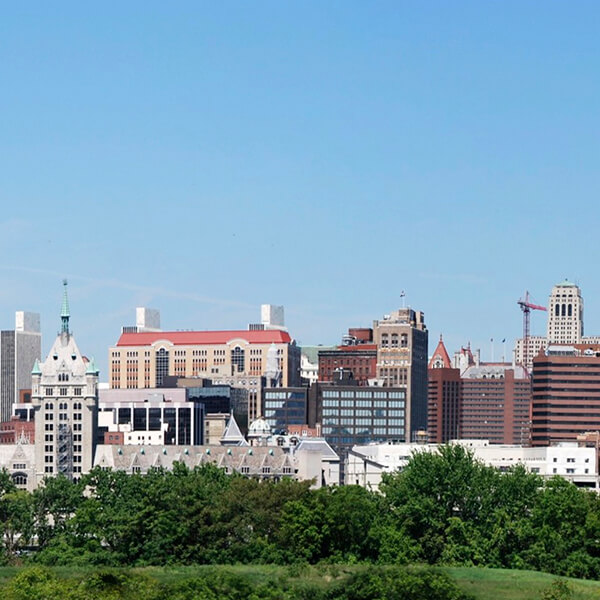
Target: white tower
{"points": [[271, 316], [64, 395], [565, 314]]}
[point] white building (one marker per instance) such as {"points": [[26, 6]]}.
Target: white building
{"points": [[366, 464], [64, 396], [565, 314], [272, 316], [154, 416], [19, 460], [564, 324]]}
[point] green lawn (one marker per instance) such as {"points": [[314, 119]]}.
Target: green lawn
{"points": [[505, 584], [482, 584]]}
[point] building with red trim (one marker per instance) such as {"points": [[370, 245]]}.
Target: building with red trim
{"points": [[143, 359]]}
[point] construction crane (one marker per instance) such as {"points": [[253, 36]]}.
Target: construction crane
{"points": [[527, 307]]}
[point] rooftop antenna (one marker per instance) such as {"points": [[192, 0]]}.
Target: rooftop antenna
{"points": [[403, 298]]}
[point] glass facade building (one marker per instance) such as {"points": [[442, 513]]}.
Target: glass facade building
{"points": [[353, 415], [284, 407]]}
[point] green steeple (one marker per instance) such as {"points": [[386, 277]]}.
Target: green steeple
{"points": [[64, 313], [92, 369], [36, 368]]}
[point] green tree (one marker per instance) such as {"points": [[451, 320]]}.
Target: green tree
{"points": [[54, 503], [16, 509], [437, 496]]}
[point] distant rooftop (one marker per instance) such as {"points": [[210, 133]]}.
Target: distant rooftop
{"points": [[194, 338], [566, 283]]}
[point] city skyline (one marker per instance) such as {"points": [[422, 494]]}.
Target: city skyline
{"points": [[204, 160], [487, 352]]}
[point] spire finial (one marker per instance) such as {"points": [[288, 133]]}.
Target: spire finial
{"points": [[64, 313]]}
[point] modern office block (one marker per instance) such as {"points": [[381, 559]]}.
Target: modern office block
{"points": [[19, 349]]}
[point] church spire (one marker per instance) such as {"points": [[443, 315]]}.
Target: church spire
{"points": [[64, 313]]}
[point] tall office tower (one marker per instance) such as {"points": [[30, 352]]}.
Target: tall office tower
{"points": [[566, 394], [19, 348], [443, 397], [64, 396], [401, 340], [565, 314]]}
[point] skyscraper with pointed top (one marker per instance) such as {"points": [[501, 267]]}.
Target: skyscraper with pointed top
{"points": [[65, 398]]}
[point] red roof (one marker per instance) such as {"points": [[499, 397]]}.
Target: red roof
{"points": [[443, 354], [197, 338]]}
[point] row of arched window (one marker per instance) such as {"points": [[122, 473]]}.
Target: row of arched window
{"points": [[563, 310]]}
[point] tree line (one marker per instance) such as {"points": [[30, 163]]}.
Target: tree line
{"points": [[443, 508]]}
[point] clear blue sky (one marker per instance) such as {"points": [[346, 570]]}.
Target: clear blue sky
{"points": [[203, 158]]}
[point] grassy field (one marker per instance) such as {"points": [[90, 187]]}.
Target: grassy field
{"points": [[482, 584], [504, 584]]}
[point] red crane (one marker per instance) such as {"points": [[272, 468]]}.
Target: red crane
{"points": [[527, 307]]}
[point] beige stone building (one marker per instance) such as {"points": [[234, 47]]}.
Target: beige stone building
{"points": [[565, 314], [401, 338], [144, 359]]}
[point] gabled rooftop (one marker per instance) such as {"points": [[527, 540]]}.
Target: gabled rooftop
{"points": [[442, 353]]}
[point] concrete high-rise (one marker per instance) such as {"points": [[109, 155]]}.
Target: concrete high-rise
{"points": [[64, 396], [565, 314], [19, 348], [401, 340], [564, 324]]}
